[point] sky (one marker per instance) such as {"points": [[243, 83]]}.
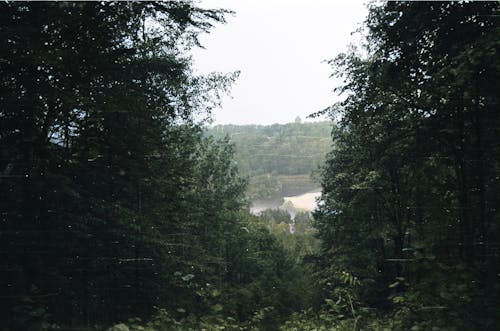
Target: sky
{"points": [[280, 47]]}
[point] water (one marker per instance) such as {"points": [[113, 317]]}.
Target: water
{"points": [[303, 202], [293, 204]]}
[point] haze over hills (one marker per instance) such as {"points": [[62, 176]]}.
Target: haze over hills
{"points": [[278, 159]]}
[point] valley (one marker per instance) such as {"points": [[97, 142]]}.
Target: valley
{"points": [[281, 162]]}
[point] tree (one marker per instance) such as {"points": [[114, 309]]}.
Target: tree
{"points": [[97, 134], [407, 185]]}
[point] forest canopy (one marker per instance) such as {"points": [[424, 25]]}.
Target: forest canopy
{"points": [[113, 202], [408, 219]]}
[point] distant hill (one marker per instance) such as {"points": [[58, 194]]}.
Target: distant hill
{"points": [[278, 158]]}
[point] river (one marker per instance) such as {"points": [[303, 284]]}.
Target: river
{"points": [[292, 204]]}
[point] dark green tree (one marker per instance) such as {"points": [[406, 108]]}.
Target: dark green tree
{"points": [[99, 157], [409, 188]]}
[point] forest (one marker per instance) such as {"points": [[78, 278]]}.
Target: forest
{"points": [[278, 160], [285, 149], [118, 211]]}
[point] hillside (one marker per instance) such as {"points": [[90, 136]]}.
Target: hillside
{"points": [[279, 159]]}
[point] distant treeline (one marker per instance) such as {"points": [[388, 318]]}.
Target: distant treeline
{"points": [[279, 149], [280, 158]]}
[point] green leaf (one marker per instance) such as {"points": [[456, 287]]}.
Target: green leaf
{"points": [[393, 285], [398, 299], [217, 307], [187, 277]]}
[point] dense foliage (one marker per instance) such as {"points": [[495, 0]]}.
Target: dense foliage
{"points": [[409, 219], [113, 203], [117, 208]]}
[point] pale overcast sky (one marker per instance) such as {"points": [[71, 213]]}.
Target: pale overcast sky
{"points": [[280, 47]]}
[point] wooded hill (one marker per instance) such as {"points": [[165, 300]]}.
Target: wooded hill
{"points": [[279, 159]]}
